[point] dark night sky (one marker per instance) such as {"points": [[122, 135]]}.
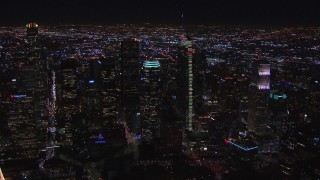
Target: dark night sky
{"points": [[275, 12]]}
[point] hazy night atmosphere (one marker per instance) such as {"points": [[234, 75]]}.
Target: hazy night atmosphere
{"points": [[159, 90]]}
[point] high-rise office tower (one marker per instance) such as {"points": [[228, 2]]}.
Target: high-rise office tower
{"points": [[150, 100], [264, 76], [101, 95], [80, 133], [97, 114], [313, 102], [21, 115], [27, 115], [32, 29], [67, 97], [129, 79], [109, 91], [36, 59], [185, 80], [32, 32], [260, 102]]}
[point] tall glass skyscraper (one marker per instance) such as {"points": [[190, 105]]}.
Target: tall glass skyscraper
{"points": [[129, 80], [186, 66], [28, 95], [32, 32], [150, 100]]}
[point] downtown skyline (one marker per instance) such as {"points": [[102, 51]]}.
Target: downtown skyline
{"points": [[166, 89]]}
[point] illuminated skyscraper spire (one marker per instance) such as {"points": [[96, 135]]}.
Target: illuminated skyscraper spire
{"points": [[186, 43]]}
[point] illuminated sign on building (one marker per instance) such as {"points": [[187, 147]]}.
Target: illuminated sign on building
{"points": [[18, 96], [52, 129], [264, 70], [264, 80], [278, 96], [100, 139], [263, 87], [138, 136], [100, 142]]}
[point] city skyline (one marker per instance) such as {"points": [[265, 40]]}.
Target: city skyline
{"points": [[159, 101]]}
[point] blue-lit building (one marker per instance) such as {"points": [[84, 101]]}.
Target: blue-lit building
{"points": [[243, 150]]}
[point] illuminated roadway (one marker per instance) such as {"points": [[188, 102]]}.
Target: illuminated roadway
{"points": [[50, 152]]}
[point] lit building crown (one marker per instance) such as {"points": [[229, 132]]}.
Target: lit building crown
{"points": [[151, 64], [32, 26]]}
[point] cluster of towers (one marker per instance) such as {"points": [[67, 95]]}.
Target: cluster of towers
{"points": [[140, 92], [77, 101]]}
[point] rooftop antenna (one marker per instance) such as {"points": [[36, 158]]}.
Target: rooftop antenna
{"points": [[182, 21]]}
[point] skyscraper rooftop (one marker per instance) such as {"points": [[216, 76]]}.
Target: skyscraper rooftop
{"points": [[151, 64]]}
